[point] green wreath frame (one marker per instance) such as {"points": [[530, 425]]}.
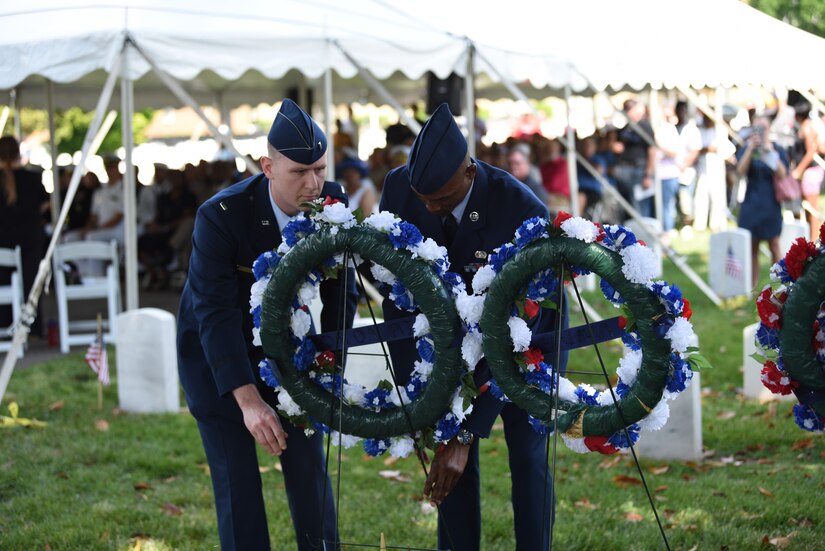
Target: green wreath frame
{"points": [[577, 420], [432, 297], [796, 333]]}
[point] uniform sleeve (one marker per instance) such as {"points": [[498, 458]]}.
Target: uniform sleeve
{"points": [[214, 286]]}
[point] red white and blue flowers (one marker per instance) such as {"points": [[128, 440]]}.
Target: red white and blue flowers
{"points": [[320, 366], [770, 306]]}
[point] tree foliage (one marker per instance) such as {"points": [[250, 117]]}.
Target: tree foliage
{"points": [[808, 15]]}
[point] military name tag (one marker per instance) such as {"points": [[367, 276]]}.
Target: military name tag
{"points": [[264, 222], [473, 267]]}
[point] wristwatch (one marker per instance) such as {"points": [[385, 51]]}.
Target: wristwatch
{"points": [[464, 437]]}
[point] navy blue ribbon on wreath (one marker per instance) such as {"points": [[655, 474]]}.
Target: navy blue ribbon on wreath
{"points": [[389, 331]]}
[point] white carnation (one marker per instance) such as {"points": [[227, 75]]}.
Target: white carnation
{"points": [[680, 335], [256, 336], [399, 397], [471, 349], [354, 394], [484, 276], [567, 390], [605, 398], [287, 405], [657, 418], [429, 250], [383, 220], [423, 369], [401, 446], [283, 248], [307, 293], [640, 263], [346, 440], [382, 274], [457, 407], [469, 307], [629, 366], [579, 228], [421, 326], [299, 323], [256, 292], [336, 213], [520, 334], [575, 444]]}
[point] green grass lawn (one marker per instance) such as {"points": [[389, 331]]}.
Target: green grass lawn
{"points": [[108, 480]]}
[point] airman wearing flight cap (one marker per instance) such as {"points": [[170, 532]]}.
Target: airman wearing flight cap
{"points": [[471, 208], [216, 359]]}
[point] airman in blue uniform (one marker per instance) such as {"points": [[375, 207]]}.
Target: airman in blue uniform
{"points": [[471, 208], [217, 361]]}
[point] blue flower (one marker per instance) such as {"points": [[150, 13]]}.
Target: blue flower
{"points": [[807, 418], [442, 265], [495, 391], [619, 439], [330, 382], [531, 230], [267, 375], [538, 426], [780, 271], [632, 341], [678, 375], [297, 229], [670, 295], [305, 355], [401, 297], [318, 426], [542, 286], [376, 446], [616, 236], [452, 279], [414, 387], [425, 350], [610, 293], [541, 378], [405, 235], [447, 427], [621, 389], [378, 398], [502, 255], [586, 396], [767, 337], [662, 325], [256, 316], [579, 270], [265, 264]]}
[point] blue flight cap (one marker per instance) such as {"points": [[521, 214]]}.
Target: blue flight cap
{"points": [[356, 164], [296, 135], [436, 153]]}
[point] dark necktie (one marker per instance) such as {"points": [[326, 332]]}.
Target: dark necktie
{"points": [[450, 229]]}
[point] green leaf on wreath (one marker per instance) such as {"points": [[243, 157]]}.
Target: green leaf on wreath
{"points": [[698, 362], [628, 315], [549, 304], [359, 215], [384, 384]]}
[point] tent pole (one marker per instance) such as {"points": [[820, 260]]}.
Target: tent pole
{"points": [[469, 100], [657, 118], [329, 123], [21, 330], [379, 89], [184, 97], [572, 176], [716, 115], [127, 112], [4, 117], [17, 132], [55, 197]]}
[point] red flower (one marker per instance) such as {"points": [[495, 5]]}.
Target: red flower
{"points": [[600, 238], [533, 356], [599, 444], [777, 381], [330, 201], [822, 234], [561, 217], [325, 359], [686, 311], [622, 322], [642, 243], [531, 308], [798, 255], [484, 388], [769, 307]]}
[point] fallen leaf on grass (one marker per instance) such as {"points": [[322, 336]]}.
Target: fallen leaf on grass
{"points": [[779, 542], [624, 480], [661, 488], [390, 461], [725, 415], [804, 522], [610, 463], [61, 475], [660, 470], [172, 510], [142, 486], [205, 468], [56, 406], [279, 467], [102, 425], [427, 508], [765, 492], [585, 503], [633, 517], [749, 516], [47, 547], [803, 444], [169, 479], [394, 475]]}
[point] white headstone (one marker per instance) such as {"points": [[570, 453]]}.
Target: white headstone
{"points": [[681, 437], [729, 271], [366, 364], [752, 370], [147, 365], [791, 229], [646, 233]]}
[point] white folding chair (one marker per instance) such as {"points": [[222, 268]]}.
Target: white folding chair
{"points": [[12, 293], [107, 287]]}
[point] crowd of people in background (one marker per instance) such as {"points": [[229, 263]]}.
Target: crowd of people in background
{"points": [[697, 172]]}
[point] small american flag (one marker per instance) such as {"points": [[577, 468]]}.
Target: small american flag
{"points": [[98, 360], [733, 268]]}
